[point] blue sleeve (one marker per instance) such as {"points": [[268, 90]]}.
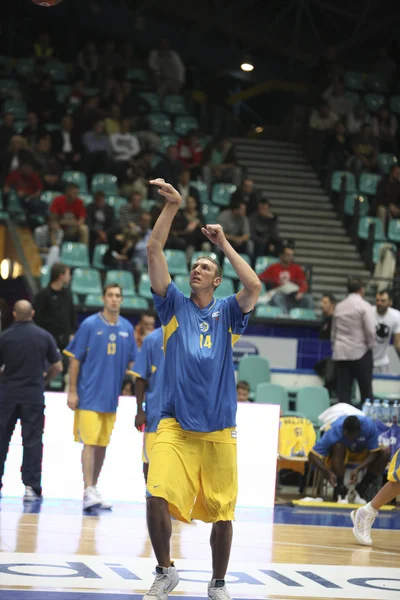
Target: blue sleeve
{"points": [[238, 321], [371, 438], [142, 366], [167, 307], [324, 444], [133, 352], [77, 348], [53, 353]]}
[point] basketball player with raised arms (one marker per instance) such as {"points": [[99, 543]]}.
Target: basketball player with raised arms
{"points": [[193, 466]]}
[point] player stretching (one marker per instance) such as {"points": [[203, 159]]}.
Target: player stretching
{"points": [[364, 517], [193, 466]]}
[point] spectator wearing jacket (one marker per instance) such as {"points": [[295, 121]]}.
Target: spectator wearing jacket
{"points": [[220, 163]]}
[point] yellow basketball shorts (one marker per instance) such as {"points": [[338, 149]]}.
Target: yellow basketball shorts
{"points": [[148, 442], [196, 473], [394, 468], [93, 428]]}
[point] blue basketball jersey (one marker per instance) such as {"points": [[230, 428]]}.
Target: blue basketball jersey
{"points": [[367, 440], [199, 382], [149, 365], [104, 351]]}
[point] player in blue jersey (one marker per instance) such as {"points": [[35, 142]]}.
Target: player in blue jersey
{"points": [[102, 350], [193, 467], [149, 368]]}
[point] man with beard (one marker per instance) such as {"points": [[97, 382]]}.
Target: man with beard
{"points": [[387, 325]]}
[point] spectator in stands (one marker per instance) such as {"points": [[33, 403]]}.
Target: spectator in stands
{"points": [[48, 238], [264, 231], [88, 64], [133, 104], [337, 150], [77, 94], [338, 102], [289, 281], [220, 163], [121, 244], [387, 328], [384, 128], [28, 186], [17, 154], [130, 212], [186, 190], [42, 47], [146, 325], [353, 338], [125, 146], [100, 218], [186, 231], [44, 101], [385, 65], [33, 131], [388, 195], [323, 119], [167, 68], [190, 152], [88, 114], [98, 150], [67, 145], [243, 391], [247, 194], [237, 228], [110, 60], [365, 149], [138, 174], [328, 303], [169, 168], [71, 213], [139, 259], [112, 124], [356, 119], [47, 165], [7, 132]]}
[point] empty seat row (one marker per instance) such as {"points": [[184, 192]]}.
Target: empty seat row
{"points": [[365, 223], [268, 312], [367, 184]]}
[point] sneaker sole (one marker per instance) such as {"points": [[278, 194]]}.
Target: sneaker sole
{"points": [[30, 500], [355, 533], [92, 505]]}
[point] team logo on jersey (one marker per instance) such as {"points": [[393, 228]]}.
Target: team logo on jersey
{"points": [[99, 333], [123, 333], [215, 314], [204, 327], [112, 337]]}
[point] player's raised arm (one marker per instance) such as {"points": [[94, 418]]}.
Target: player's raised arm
{"points": [[158, 268], [248, 296]]}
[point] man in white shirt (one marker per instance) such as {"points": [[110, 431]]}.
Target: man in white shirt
{"points": [[387, 326], [125, 146]]}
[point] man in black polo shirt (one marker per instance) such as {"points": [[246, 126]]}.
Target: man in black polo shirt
{"points": [[29, 357]]}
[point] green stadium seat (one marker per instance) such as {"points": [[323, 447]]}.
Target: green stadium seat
{"points": [[169, 139], [177, 264], [265, 311], [63, 92], [229, 271], [254, 370], [377, 83], [210, 214], [385, 161], [116, 202], [124, 279], [222, 192], [86, 281], [104, 182], [394, 231], [350, 181], [75, 299], [135, 303], [203, 191], [14, 204], [368, 183], [52, 127], [57, 70], [86, 198], [395, 104], [354, 81], [44, 276], [272, 393], [182, 282], [146, 205], [91, 91], [312, 401], [78, 178], [363, 228], [25, 67], [185, 124], [350, 201], [303, 313], [196, 255], [376, 250], [144, 287], [225, 288], [57, 384], [8, 88], [94, 300], [175, 105], [19, 126], [374, 102], [354, 97], [17, 107], [152, 99], [48, 196], [74, 254], [98, 255], [263, 262], [137, 75], [159, 123]]}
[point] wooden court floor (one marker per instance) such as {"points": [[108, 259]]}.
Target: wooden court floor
{"points": [[285, 554]]}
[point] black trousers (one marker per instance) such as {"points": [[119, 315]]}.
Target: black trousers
{"points": [[349, 370], [32, 424]]}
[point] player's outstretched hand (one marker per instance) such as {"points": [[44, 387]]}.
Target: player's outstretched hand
{"points": [[167, 190], [214, 233], [73, 400]]}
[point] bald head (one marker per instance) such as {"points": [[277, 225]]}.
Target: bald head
{"points": [[23, 310]]}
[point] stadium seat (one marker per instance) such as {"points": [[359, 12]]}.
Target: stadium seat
{"points": [[57, 384], [376, 250], [350, 181], [395, 104], [51, 127], [263, 262], [363, 228], [94, 300], [222, 192], [210, 213], [354, 81], [203, 191], [312, 401], [48, 196], [177, 264], [14, 204], [373, 102], [144, 287], [137, 75], [385, 161], [91, 91], [63, 92], [185, 124], [254, 370], [146, 205], [17, 107], [124, 279], [152, 99], [86, 281], [271, 393], [44, 276], [25, 67], [104, 182], [264, 311], [57, 70], [196, 255], [350, 201], [98, 255], [303, 313], [182, 282], [8, 88], [74, 254], [78, 178], [86, 198], [394, 231], [354, 97], [116, 202], [135, 303], [159, 123], [229, 271], [368, 183], [19, 126], [175, 105], [377, 83], [225, 288], [169, 139]]}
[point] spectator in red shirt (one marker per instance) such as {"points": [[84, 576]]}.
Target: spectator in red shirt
{"points": [[71, 213], [28, 186], [190, 152], [282, 277]]}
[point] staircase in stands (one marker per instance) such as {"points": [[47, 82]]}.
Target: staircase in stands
{"points": [[281, 172]]}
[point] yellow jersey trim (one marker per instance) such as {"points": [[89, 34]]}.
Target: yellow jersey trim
{"points": [[67, 353], [153, 369], [235, 336], [316, 454], [130, 372], [168, 330]]}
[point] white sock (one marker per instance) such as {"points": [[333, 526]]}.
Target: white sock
{"points": [[371, 509]]}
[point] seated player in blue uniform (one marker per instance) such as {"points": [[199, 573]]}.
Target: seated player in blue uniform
{"points": [[350, 440], [101, 351], [193, 466]]}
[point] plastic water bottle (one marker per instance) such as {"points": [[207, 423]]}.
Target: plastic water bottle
{"points": [[376, 410], [367, 408], [395, 412], [386, 411]]}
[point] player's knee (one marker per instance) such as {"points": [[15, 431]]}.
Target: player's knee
{"points": [[156, 504]]}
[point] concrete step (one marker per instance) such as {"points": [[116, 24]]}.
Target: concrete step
{"points": [[269, 143], [290, 210], [341, 247], [275, 157], [322, 236], [310, 196], [265, 169], [327, 261]]}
